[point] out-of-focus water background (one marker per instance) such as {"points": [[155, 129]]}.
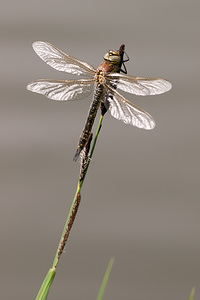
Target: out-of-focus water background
{"points": [[140, 201]]}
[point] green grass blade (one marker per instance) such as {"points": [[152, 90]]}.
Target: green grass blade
{"points": [[44, 290], [105, 280], [192, 294]]}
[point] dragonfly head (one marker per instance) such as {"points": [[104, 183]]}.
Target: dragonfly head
{"points": [[113, 57], [117, 58]]}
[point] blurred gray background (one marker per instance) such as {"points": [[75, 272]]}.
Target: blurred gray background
{"points": [[140, 201]]}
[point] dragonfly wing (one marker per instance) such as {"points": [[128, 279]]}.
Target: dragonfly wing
{"points": [[61, 61], [124, 110], [62, 89], [139, 85]]}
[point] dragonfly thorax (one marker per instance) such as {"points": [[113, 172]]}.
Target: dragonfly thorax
{"points": [[100, 76]]}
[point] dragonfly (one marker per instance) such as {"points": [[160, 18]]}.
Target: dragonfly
{"points": [[108, 78]]}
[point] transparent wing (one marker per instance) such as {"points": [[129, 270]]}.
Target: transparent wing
{"points": [[61, 61], [139, 85], [62, 89], [124, 110]]}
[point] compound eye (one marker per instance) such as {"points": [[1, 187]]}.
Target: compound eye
{"points": [[112, 56], [111, 52]]}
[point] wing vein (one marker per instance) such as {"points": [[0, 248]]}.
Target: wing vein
{"points": [[62, 89], [124, 110], [61, 61], [142, 86]]}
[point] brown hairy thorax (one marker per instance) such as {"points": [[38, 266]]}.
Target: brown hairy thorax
{"points": [[105, 67]]}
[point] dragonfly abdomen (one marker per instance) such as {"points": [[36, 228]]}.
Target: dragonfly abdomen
{"points": [[90, 120]]}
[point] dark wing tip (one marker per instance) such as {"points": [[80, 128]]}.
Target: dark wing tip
{"points": [[76, 155]]}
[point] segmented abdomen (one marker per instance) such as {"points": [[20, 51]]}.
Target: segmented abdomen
{"points": [[90, 120]]}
